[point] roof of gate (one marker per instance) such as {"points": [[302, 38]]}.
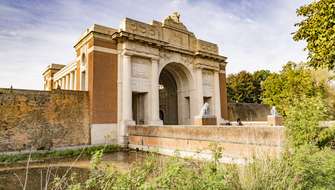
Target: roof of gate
{"points": [[171, 32]]}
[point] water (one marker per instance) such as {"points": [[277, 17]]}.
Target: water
{"points": [[41, 174]]}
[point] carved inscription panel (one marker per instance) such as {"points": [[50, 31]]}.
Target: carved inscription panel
{"points": [[207, 47], [140, 28], [207, 81], [176, 38], [140, 67]]}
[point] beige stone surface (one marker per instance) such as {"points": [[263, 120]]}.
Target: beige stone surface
{"points": [[122, 69], [238, 142], [275, 120], [205, 121]]}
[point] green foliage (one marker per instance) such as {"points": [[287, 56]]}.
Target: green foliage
{"points": [[258, 78], [307, 167], [107, 177], [326, 137], [318, 30], [177, 173], [292, 83], [302, 121], [246, 87], [240, 87], [313, 168], [267, 174], [88, 151], [153, 173]]}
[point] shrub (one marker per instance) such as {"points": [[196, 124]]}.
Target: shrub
{"points": [[313, 168], [327, 137], [302, 121]]}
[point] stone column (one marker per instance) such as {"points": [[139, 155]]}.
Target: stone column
{"points": [[127, 113], [75, 78], [154, 103], [198, 94], [67, 80], [71, 81], [63, 83], [217, 98]]}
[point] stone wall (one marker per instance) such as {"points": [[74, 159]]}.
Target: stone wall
{"points": [[240, 142], [43, 119], [248, 111]]}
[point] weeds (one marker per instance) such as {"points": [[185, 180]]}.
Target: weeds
{"points": [[307, 167], [67, 153]]}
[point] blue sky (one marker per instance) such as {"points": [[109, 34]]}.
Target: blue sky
{"points": [[253, 34]]}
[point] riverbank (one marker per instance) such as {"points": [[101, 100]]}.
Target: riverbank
{"points": [[43, 172], [59, 153]]}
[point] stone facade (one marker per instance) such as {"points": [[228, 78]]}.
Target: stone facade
{"points": [[43, 119], [140, 73]]}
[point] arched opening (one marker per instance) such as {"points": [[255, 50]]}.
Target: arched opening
{"points": [[174, 94]]}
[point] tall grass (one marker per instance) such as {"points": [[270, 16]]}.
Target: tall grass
{"points": [[54, 154], [306, 168]]}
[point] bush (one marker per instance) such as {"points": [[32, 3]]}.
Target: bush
{"points": [[327, 137], [313, 168], [302, 121]]}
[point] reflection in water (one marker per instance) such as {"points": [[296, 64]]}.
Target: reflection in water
{"points": [[42, 173], [38, 178]]}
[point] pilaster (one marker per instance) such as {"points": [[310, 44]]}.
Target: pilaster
{"points": [[217, 98], [127, 114], [198, 92], [154, 103]]}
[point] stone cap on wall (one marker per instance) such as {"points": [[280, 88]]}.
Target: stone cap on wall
{"points": [[97, 28]]}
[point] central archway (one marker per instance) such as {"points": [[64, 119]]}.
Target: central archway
{"points": [[174, 94]]}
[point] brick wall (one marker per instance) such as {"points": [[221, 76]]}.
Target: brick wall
{"points": [[43, 119], [239, 142]]}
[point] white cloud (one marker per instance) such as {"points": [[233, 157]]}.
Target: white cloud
{"points": [[35, 35]]}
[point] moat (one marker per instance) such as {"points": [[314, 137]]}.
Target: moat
{"points": [[42, 173]]}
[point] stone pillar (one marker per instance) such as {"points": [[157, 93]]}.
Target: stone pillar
{"points": [[198, 93], [126, 89], [217, 98], [154, 103], [223, 95], [127, 113], [67, 80], [71, 81], [63, 83], [75, 78]]}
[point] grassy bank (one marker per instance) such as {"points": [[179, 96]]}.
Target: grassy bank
{"points": [[308, 167], [54, 154]]}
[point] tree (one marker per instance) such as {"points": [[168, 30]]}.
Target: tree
{"points": [[240, 87], [292, 83], [246, 87], [318, 30], [258, 78]]}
